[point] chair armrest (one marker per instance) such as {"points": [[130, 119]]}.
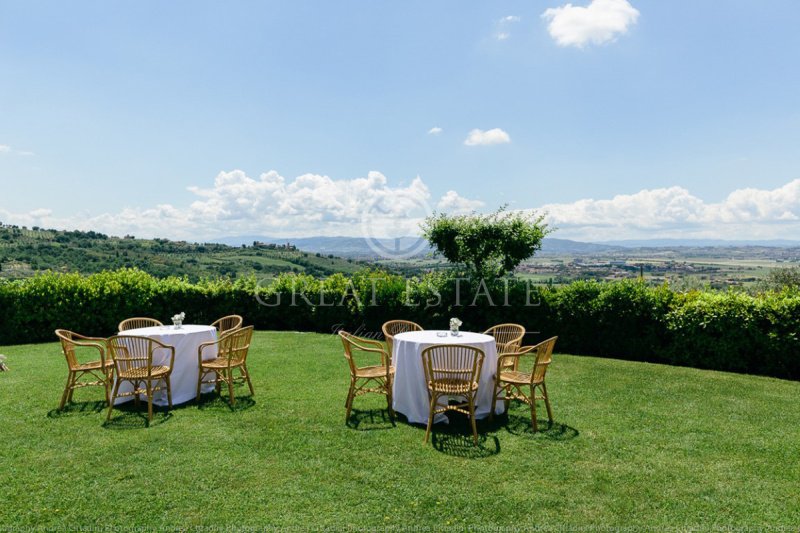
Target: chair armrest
{"points": [[203, 347]]}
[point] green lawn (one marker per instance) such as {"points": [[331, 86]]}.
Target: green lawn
{"points": [[634, 444]]}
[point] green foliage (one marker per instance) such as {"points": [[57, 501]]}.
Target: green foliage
{"points": [[25, 252], [489, 245], [731, 331], [781, 278]]}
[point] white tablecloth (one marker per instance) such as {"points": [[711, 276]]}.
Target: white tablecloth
{"points": [[410, 392], [185, 370]]}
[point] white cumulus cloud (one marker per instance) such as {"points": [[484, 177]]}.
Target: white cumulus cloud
{"points": [[675, 212], [478, 137], [436, 130], [598, 23], [270, 205], [455, 204]]}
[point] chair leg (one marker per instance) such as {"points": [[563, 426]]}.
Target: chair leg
{"points": [[199, 385], [149, 388], [472, 418], [109, 378], [169, 392], [349, 402], [229, 375], [72, 386], [494, 400], [534, 423], [389, 403], [113, 397], [547, 403], [246, 373], [430, 416], [67, 388]]}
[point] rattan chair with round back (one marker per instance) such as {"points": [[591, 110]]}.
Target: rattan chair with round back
{"points": [[135, 363], [395, 327], [375, 378], [512, 380], [507, 337], [452, 370], [232, 350], [99, 371], [137, 322], [227, 323]]}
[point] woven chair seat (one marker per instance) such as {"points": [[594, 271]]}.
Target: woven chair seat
{"points": [[377, 371], [452, 386], [141, 373], [514, 376], [222, 363], [94, 365]]}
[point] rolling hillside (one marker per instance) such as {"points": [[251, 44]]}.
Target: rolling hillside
{"points": [[24, 251]]}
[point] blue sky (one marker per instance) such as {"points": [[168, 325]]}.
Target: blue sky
{"points": [[203, 119]]}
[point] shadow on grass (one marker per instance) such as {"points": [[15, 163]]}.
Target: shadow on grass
{"points": [[521, 426], [370, 420], [456, 439], [214, 402], [78, 409], [130, 416]]}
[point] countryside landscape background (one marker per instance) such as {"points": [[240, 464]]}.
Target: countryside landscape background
{"points": [[615, 180]]}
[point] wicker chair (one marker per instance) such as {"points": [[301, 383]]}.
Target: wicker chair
{"points": [[227, 323], [511, 382], [452, 370], [365, 379], [232, 349], [508, 338], [138, 322], [394, 327], [100, 370], [133, 362]]}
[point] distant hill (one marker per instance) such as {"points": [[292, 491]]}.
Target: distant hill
{"points": [[23, 252], [360, 247], [700, 243]]}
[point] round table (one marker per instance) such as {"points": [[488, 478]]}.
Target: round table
{"points": [[410, 392], [185, 370]]}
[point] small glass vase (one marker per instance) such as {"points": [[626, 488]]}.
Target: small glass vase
{"points": [[177, 324], [454, 331]]}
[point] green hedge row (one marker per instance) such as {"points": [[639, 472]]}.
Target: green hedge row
{"points": [[729, 331]]}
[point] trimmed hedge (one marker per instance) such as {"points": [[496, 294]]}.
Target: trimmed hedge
{"points": [[730, 331]]}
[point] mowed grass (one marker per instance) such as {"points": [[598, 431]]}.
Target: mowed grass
{"points": [[633, 444]]}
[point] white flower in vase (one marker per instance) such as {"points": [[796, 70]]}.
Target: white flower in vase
{"points": [[177, 320], [454, 325]]}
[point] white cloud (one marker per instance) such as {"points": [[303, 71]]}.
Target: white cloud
{"points": [[675, 212], [6, 149], [455, 204], [494, 136], [502, 27], [270, 205], [436, 130], [312, 204], [598, 23]]}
